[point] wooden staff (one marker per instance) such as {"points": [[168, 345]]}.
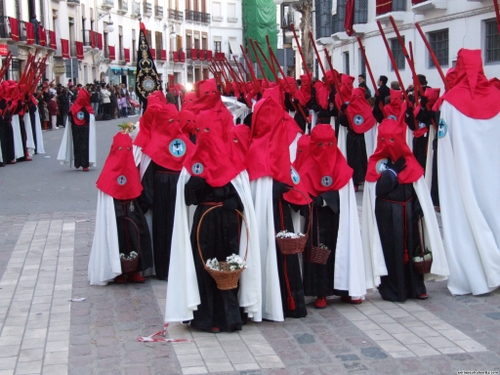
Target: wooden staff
{"points": [[240, 74], [370, 73], [394, 65], [300, 50], [335, 82], [255, 82], [433, 56], [272, 55], [497, 14], [415, 78], [416, 83], [319, 59], [259, 63]]}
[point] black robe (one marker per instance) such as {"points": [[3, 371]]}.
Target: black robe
{"points": [[318, 278], [219, 238], [81, 141], [292, 290], [160, 190], [133, 232], [356, 152], [397, 211]]}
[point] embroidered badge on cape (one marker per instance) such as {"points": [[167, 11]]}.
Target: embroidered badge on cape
{"points": [[326, 181], [295, 176], [197, 168], [442, 129], [177, 147], [381, 165], [121, 180]]}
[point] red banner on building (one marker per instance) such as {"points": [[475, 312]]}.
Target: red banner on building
{"points": [[383, 6], [153, 53], [53, 40], [30, 33], [4, 50], [79, 50], [126, 54], [349, 17], [209, 55], [42, 35], [112, 55], [65, 48], [99, 41], [14, 29], [163, 55]]}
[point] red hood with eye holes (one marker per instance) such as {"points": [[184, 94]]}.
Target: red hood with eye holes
{"points": [[391, 144], [120, 177], [168, 146]]}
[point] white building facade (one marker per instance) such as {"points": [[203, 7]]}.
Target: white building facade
{"points": [[449, 25], [96, 40]]}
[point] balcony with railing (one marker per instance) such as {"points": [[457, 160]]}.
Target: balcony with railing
{"points": [[205, 17], [197, 16], [190, 15], [122, 6], [108, 4], [136, 10], [73, 2], [148, 9], [14, 30], [422, 6], [158, 12], [384, 9]]}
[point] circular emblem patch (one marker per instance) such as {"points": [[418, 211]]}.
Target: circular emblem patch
{"points": [[295, 176], [177, 147], [421, 125], [122, 180], [148, 84], [381, 165], [392, 117], [358, 120], [80, 115], [326, 181], [197, 168], [442, 129]]}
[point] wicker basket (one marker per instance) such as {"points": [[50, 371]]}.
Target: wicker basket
{"points": [[290, 246], [224, 278], [130, 265], [319, 255], [423, 266]]}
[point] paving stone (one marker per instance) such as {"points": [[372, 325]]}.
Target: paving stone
{"points": [[373, 352], [347, 357], [305, 338]]}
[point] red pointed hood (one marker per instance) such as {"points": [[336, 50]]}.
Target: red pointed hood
{"points": [[120, 176], [473, 95], [391, 143], [82, 101], [360, 113], [156, 101], [168, 146], [322, 166]]}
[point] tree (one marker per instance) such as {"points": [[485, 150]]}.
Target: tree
{"points": [[304, 7]]}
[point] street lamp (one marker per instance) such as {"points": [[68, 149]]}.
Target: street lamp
{"points": [[109, 23]]}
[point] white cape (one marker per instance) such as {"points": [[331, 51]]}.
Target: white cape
{"points": [[18, 139], [349, 273], [39, 135], [468, 160], [374, 257], [182, 289], [104, 261], [65, 154], [30, 142]]}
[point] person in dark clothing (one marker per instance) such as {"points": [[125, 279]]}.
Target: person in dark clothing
{"points": [[362, 84], [383, 91]]}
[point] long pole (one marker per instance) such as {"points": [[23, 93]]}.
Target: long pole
{"points": [[335, 82], [306, 70], [417, 86], [497, 14], [319, 59], [255, 83], [433, 56], [393, 62], [259, 63], [370, 73]]}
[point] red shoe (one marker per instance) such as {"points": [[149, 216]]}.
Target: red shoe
{"points": [[27, 158], [122, 279], [12, 161], [320, 302], [215, 330], [86, 169], [135, 277], [423, 296], [348, 299]]}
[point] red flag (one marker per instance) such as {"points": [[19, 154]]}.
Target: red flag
{"points": [[163, 55], [43, 35], [126, 53], [112, 55], [79, 50], [349, 17], [99, 41], [92, 38], [153, 53], [383, 6], [65, 48]]}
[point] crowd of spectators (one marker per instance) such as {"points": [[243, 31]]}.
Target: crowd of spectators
{"points": [[108, 101]]}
